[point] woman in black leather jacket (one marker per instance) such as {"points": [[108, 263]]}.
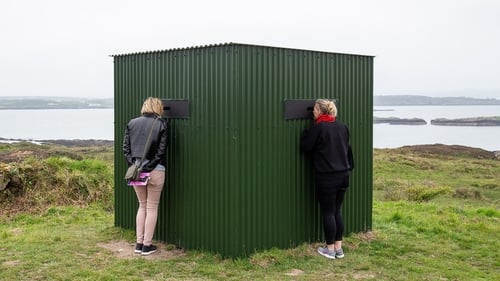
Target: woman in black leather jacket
{"points": [[134, 143]]}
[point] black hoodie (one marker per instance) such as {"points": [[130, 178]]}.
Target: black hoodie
{"points": [[329, 144]]}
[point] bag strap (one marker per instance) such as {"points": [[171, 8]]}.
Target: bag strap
{"points": [[146, 146]]}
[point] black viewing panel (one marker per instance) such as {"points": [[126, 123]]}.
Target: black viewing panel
{"points": [[175, 109], [299, 109]]}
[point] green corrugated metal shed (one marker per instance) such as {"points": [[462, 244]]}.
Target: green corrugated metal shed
{"points": [[236, 180]]}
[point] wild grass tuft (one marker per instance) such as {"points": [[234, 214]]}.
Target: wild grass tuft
{"points": [[36, 183]]}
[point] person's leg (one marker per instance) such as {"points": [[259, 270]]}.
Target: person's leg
{"points": [[154, 187], [330, 193], [327, 206], [327, 199], [339, 223], [140, 218]]}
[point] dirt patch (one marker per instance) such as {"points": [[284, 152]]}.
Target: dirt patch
{"points": [[363, 275], [125, 250], [294, 272], [366, 236], [11, 263]]}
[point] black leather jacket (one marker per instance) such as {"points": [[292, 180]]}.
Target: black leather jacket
{"points": [[136, 135]]}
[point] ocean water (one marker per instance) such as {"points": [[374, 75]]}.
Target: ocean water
{"points": [[99, 124], [391, 136], [57, 124]]}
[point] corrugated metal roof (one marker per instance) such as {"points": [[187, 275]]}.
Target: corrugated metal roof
{"points": [[226, 44]]}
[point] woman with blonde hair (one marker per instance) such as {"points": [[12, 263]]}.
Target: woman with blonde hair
{"points": [[135, 143], [328, 141]]}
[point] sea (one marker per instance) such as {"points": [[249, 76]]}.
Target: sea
{"points": [[392, 136], [51, 124], [99, 124]]}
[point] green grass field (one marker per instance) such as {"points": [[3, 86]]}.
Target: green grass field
{"points": [[435, 217]]}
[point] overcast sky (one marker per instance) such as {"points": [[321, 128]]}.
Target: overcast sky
{"points": [[425, 47]]}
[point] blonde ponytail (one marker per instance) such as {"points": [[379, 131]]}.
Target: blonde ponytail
{"points": [[327, 107]]}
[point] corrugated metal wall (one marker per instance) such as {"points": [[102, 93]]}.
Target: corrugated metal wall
{"points": [[236, 181]]}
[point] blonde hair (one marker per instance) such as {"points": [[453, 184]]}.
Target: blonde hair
{"points": [[152, 105], [327, 107]]}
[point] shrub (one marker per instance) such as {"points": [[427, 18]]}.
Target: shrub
{"points": [[422, 193], [34, 184]]}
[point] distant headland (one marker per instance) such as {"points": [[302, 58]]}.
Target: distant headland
{"points": [[45, 102], [425, 100], [54, 103]]}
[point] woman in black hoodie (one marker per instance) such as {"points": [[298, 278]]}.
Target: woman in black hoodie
{"points": [[328, 141]]}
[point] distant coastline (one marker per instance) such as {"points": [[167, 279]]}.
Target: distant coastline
{"points": [[402, 100], [475, 121], [28, 103], [33, 102]]}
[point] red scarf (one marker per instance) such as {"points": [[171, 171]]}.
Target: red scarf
{"points": [[324, 118]]}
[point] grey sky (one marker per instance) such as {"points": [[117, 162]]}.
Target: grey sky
{"points": [[427, 47]]}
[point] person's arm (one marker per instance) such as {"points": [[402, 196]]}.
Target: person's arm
{"points": [[309, 138], [350, 155], [126, 147], [162, 148]]}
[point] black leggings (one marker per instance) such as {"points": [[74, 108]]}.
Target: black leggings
{"points": [[331, 190]]}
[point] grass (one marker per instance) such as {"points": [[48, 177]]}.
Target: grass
{"points": [[411, 241], [452, 173], [445, 237]]}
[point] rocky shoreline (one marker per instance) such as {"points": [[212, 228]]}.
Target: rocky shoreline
{"points": [[70, 143], [474, 121], [399, 121]]}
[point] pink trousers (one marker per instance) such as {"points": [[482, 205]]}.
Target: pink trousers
{"points": [[147, 214]]}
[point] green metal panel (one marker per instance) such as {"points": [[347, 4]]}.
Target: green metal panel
{"points": [[236, 180]]}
